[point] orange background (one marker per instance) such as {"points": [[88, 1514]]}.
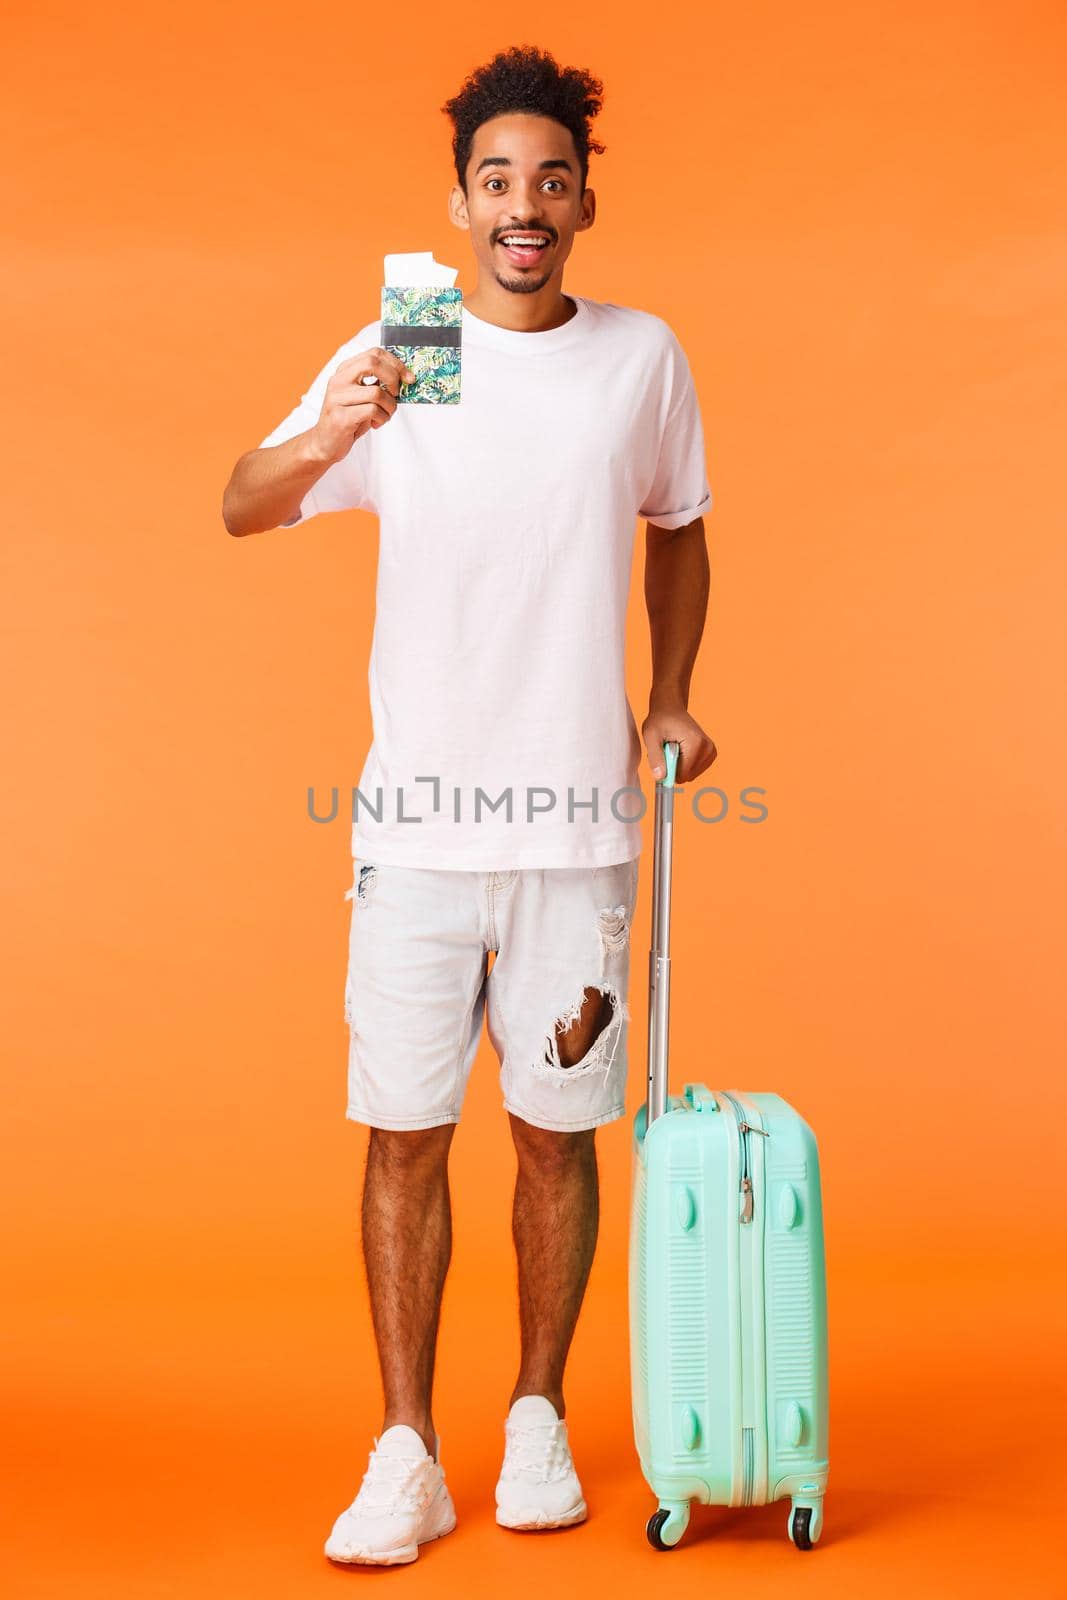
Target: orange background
{"points": [[854, 220]]}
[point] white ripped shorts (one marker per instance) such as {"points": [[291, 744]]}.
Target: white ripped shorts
{"points": [[419, 983]]}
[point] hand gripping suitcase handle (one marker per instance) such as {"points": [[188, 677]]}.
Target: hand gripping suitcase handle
{"points": [[659, 955]]}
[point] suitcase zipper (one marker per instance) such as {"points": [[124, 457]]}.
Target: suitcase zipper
{"points": [[746, 1331], [744, 1129]]}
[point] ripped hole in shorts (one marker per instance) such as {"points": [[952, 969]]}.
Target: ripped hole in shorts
{"points": [[614, 928], [600, 1055], [364, 884]]}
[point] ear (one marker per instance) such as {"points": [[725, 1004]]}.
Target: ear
{"points": [[586, 212], [457, 207]]}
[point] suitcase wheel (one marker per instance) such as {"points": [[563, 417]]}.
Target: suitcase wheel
{"points": [[665, 1527], [805, 1525]]}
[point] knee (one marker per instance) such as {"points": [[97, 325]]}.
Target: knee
{"points": [[410, 1148], [546, 1149]]}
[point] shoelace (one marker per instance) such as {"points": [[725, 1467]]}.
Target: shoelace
{"points": [[393, 1483], [537, 1450]]}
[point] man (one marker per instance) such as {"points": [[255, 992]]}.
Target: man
{"points": [[498, 668]]}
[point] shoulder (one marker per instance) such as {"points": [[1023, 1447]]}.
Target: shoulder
{"points": [[643, 327]]}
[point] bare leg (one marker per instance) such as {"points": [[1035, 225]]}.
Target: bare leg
{"points": [[554, 1222], [407, 1246]]}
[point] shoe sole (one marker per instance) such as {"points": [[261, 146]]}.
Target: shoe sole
{"points": [[533, 1521], [391, 1558]]}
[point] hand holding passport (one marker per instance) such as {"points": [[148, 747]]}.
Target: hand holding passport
{"points": [[421, 323]]}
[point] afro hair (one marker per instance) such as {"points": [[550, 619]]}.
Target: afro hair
{"points": [[525, 79]]}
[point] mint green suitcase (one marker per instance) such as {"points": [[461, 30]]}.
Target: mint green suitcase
{"points": [[727, 1280]]}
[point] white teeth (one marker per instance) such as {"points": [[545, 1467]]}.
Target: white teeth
{"points": [[516, 240]]}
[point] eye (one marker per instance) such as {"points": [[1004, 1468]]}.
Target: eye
{"points": [[557, 181]]}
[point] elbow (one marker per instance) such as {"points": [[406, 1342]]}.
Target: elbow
{"points": [[231, 521], [236, 524]]}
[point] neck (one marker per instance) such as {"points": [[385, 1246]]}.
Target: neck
{"points": [[538, 312]]}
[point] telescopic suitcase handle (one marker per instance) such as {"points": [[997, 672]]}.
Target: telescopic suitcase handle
{"points": [[659, 955]]}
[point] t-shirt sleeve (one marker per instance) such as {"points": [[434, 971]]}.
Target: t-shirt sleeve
{"points": [[679, 490], [344, 486]]}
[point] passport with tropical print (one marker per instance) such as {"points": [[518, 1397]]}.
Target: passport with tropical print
{"points": [[422, 327]]}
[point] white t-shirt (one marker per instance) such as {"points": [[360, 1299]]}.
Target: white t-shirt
{"points": [[506, 528]]}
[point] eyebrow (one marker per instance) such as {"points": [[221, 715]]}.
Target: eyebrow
{"points": [[502, 161]]}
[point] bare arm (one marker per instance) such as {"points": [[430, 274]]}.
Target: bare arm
{"points": [[677, 585], [268, 484]]}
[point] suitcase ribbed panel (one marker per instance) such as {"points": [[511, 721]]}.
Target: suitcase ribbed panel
{"points": [[642, 1284], [687, 1297], [795, 1272], [792, 1330], [687, 1335], [639, 1304], [684, 1387]]}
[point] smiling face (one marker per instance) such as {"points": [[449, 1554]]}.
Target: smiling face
{"points": [[524, 202]]}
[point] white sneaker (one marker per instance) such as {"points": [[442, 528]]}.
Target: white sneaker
{"points": [[538, 1486], [402, 1502]]}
